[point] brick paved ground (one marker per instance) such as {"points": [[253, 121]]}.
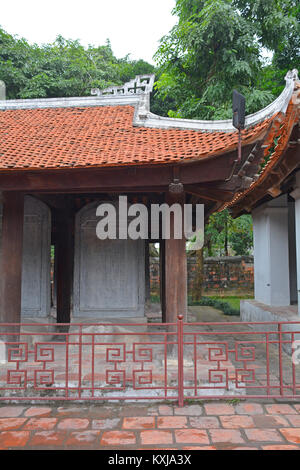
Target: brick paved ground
{"points": [[208, 426]]}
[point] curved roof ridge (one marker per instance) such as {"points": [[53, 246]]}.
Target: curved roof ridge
{"points": [[285, 125], [137, 92], [280, 104]]}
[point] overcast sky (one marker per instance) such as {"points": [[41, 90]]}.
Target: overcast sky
{"points": [[133, 26]]}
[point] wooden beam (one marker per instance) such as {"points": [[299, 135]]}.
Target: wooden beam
{"points": [[175, 269], [119, 179], [65, 262], [210, 194], [11, 259], [288, 162]]}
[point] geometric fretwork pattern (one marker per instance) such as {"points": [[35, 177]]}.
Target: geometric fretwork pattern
{"points": [[181, 361]]}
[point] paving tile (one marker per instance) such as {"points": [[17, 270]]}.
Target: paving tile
{"points": [[291, 434], [157, 448], [112, 438], [46, 439], [199, 448], [270, 421], [189, 410], [38, 411], [153, 411], [83, 438], [45, 424], [7, 424], [165, 410], [249, 409], [72, 411], [245, 448], [294, 420], [191, 436], [280, 409], [9, 439], [219, 409], [166, 422], [226, 435], [266, 426], [263, 435], [11, 411], [297, 407], [100, 411], [98, 424], [236, 422], [73, 423], [128, 411], [139, 422], [204, 422], [280, 447], [156, 437]]}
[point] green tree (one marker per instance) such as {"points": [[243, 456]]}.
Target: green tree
{"points": [[226, 236], [62, 68], [219, 45], [241, 235]]}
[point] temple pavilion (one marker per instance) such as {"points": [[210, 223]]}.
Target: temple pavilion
{"points": [[60, 157]]}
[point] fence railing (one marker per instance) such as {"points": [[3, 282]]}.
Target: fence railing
{"points": [[158, 361]]}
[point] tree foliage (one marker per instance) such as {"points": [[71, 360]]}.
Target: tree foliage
{"points": [[62, 68], [225, 236], [219, 45]]}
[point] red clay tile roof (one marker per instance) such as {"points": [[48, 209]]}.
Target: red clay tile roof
{"points": [[101, 136]]}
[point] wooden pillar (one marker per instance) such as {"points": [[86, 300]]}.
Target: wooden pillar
{"points": [[11, 259], [175, 269], [64, 263]]}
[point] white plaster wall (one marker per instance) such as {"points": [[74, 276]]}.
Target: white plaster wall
{"points": [[271, 253], [261, 254]]}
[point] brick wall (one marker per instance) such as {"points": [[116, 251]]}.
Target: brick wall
{"points": [[232, 275]]}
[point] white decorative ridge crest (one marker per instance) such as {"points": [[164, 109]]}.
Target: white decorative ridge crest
{"points": [[139, 85], [292, 75], [279, 105], [136, 93]]}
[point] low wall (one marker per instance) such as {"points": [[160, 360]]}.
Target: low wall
{"points": [[254, 311], [232, 275]]}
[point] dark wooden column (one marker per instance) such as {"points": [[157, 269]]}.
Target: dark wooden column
{"points": [[11, 259], [175, 269], [64, 252]]}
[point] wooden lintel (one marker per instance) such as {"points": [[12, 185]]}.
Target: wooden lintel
{"points": [[118, 179], [210, 194]]}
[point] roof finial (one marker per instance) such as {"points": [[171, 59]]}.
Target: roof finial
{"points": [[292, 75], [141, 84]]}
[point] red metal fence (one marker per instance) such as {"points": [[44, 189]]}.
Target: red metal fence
{"points": [[175, 361]]}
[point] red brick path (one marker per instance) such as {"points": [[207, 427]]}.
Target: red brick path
{"points": [[212, 426]]}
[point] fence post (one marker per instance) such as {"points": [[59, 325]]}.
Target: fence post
{"points": [[180, 359], [280, 358]]}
